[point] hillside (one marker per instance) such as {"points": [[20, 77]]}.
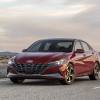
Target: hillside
{"points": [[7, 54], [4, 56]]}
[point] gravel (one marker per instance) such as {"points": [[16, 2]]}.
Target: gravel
{"points": [[81, 89]]}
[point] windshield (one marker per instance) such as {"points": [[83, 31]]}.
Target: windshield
{"points": [[51, 46]]}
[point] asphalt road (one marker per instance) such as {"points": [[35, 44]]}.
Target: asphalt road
{"points": [[81, 89]]}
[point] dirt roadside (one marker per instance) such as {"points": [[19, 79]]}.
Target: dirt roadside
{"points": [[3, 70]]}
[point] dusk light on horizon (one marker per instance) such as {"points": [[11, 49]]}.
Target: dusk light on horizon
{"points": [[24, 21]]}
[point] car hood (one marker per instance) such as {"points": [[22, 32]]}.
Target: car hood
{"points": [[39, 57]]}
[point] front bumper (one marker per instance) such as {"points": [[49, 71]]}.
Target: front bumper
{"points": [[35, 76], [48, 73]]}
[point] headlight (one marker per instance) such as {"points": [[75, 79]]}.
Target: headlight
{"points": [[11, 61], [57, 63]]}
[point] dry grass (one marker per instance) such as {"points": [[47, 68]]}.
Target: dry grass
{"points": [[4, 60], [3, 66]]}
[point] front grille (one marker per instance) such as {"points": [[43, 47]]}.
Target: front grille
{"points": [[30, 68]]}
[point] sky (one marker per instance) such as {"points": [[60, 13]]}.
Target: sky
{"points": [[24, 21]]}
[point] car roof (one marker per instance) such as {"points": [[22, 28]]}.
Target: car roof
{"points": [[51, 39]]}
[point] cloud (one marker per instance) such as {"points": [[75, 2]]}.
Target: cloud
{"points": [[2, 31], [6, 1], [48, 8], [30, 20], [70, 11]]}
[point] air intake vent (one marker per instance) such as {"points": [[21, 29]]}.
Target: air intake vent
{"points": [[30, 68]]}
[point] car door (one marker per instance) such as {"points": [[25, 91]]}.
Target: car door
{"points": [[88, 56], [79, 59]]}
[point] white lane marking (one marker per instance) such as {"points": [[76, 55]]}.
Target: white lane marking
{"points": [[98, 87]]}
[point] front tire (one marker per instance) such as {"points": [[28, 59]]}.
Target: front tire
{"points": [[70, 75], [17, 80], [95, 74]]}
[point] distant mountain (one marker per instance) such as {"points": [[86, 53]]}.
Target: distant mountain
{"points": [[7, 54]]}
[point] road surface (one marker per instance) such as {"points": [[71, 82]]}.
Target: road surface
{"points": [[81, 89]]}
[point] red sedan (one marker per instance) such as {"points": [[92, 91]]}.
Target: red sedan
{"points": [[61, 59]]}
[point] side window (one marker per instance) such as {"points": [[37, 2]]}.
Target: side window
{"points": [[47, 46], [78, 45], [85, 46]]}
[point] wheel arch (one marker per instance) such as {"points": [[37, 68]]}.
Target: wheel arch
{"points": [[98, 63], [75, 71], [71, 63]]}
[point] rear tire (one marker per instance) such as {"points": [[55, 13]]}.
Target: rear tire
{"points": [[95, 74], [17, 80], [70, 75]]}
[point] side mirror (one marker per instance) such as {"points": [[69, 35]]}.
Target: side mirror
{"points": [[79, 51], [24, 50]]}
